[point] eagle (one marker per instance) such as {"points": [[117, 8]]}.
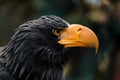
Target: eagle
{"points": [[40, 48]]}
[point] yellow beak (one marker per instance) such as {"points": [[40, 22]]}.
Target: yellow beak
{"points": [[78, 36]]}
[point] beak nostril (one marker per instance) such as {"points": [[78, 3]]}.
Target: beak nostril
{"points": [[79, 29]]}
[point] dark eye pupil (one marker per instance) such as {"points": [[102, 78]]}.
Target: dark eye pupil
{"points": [[57, 31]]}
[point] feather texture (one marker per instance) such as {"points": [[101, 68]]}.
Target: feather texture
{"points": [[33, 52]]}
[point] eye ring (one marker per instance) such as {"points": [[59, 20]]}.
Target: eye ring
{"points": [[56, 32]]}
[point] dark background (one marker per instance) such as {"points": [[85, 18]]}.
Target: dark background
{"points": [[102, 16]]}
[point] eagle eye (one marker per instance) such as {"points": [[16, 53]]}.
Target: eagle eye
{"points": [[56, 32]]}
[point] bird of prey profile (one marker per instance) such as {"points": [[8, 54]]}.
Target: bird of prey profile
{"points": [[39, 49]]}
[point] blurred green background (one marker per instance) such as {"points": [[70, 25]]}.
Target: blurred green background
{"points": [[102, 16]]}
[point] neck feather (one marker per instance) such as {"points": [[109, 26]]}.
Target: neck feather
{"points": [[35, 63]]}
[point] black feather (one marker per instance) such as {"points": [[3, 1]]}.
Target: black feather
{"points": [[33, 52]]}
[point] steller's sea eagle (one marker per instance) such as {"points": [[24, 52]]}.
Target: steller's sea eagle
{"points": [[39, 49]]}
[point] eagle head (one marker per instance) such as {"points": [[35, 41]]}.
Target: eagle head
{"points": [[39, 48]]}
